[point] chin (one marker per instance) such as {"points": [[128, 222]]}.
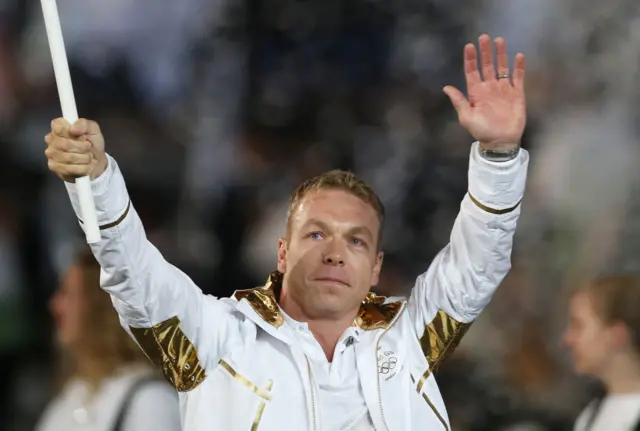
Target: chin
{"points": [[328, 305], [64, 341], [329, 293], [584, 369], [578, 369], [329, 300]]}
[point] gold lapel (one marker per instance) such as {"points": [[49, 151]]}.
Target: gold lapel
{"points": [[374, 313], [263, 299]]}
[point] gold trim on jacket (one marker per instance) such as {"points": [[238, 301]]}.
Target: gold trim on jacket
{"points": [[374, 312]]}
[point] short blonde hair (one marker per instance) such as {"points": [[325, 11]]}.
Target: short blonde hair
{"points": [[338, 180]]}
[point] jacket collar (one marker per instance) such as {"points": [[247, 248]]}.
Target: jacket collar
{"points": [[375, 312]]}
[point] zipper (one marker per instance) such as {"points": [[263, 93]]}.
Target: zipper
{"points": [[384, 421], [313, 398]]}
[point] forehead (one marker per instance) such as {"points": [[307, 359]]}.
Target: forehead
{"points": [[334, 205], [581, 305]]}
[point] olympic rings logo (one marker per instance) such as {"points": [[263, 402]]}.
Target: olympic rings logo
{"points": [[388, 363]]}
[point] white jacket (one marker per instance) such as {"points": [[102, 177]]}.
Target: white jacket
{"points": [[234, 367]]}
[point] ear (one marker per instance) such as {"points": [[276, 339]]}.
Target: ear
{"points": [[375, 273], [282, 255], [620, 335]]}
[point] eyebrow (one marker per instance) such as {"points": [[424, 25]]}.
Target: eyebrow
{"points": [[316, 222], [361, 230], [356, 230]]}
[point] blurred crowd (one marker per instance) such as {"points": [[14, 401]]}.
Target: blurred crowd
{"points": [[216, 109]]}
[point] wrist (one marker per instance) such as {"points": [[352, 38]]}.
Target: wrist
{"points": [[101, 166], [498, 153]]}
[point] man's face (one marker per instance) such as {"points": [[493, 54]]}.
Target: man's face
{"points": [[330, 259]]}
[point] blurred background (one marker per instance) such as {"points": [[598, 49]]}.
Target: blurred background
{"points": [[216, 109]]}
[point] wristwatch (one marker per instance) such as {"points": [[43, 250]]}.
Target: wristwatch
{"points": [[499, 156]]}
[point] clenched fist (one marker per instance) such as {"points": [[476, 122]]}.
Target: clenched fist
{"points": [[75, 150]]}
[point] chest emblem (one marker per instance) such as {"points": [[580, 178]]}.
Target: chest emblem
{"points": [[387, 364]]}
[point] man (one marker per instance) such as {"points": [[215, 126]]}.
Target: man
{"points": [[313, 348]]}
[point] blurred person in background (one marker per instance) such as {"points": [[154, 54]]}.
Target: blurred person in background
{"points": [[106, 382], [604, 338], [303, 349]]}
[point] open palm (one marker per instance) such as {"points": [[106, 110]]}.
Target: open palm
{"points": [[495, 112]]}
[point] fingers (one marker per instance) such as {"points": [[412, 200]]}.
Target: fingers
{"points": [[487, 64], [472, 75], [501, 55], [84, 127], [61, 127], [519, 71], [65, 170], [74, 150], [486, 58], [67, 145], [459, 102], [67, 158]]}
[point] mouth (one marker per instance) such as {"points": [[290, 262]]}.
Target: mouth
{"points": [[333, 280]]}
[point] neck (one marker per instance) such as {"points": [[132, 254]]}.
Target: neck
{"points": [[327, 331], [623, 376], [92, 370]]}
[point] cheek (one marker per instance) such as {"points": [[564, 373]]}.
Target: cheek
{"points": [[585, 337], [365, 269], [75, 309], [589, 343], [300, 259]]}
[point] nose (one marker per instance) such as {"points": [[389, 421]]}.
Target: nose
{"points": [[333, 259], [333, 256]]}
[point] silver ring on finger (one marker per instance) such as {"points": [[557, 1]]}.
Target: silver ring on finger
{"points": [[503, 76]]}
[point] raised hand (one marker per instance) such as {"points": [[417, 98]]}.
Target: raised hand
{"points": [[75, 150], [495, 111]]}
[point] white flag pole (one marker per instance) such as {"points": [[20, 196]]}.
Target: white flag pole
{"points": [[69, 111]]}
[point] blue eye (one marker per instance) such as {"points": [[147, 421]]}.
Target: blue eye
{"points": [[356, 241], [315, 235]]}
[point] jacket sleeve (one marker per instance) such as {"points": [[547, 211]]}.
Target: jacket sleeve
{"points": [[158, 305], [465, 274]]}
